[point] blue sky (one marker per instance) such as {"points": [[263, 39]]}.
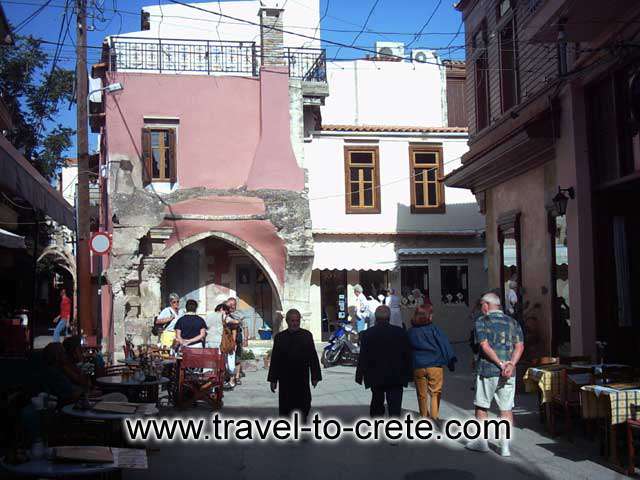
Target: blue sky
{"points": [[396, 20]]}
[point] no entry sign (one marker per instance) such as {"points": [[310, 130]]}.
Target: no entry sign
{"points": [[100, 243]]}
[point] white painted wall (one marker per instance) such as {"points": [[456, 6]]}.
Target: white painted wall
{"points": [[324, 160], [363, 92], [182, 22]]}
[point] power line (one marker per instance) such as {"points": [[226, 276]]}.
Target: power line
{"points": [[31, 17], [364, 26], [426, 24]]}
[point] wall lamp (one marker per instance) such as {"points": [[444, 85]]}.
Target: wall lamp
{"points": [[561, 200]]}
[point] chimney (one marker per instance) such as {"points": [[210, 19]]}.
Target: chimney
{"points": [[272, 36]]}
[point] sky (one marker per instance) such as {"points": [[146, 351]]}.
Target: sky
{"points": [[342, 21]]}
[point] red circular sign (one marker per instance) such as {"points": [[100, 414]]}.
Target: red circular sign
{"points": [[100, 243]]}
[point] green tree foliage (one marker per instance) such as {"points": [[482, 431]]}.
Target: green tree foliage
{"points": [[34, 94]]}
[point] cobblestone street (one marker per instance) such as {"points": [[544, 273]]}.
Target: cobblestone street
{"points": [[534, 454]]}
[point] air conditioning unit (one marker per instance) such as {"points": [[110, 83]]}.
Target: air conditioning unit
{"points": [[390, 50], [423, 56]]}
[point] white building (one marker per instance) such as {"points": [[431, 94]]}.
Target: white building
{"points": [[381, 216]]}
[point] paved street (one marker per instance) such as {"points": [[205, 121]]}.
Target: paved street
{"points": [[534, 455]]}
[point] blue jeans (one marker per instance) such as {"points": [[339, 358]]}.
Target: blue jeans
{"points": [[60, 327]]}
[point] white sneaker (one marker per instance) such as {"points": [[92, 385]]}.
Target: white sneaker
{"points": [[478, 445], [504, 448]]}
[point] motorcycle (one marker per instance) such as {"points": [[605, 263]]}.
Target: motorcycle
{"points": [[340, 348]]}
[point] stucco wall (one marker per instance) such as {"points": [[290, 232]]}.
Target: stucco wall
{"points": [[526, 194], [384, 93], [324, 160]]}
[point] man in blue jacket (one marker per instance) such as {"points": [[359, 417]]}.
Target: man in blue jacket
{"points": [[431, 351]]}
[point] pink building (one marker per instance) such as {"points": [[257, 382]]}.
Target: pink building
{"points": [[202, 178]]}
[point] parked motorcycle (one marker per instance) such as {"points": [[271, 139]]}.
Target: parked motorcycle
{"points": [[341, 349]]}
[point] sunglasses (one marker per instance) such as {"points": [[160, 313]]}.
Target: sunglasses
{"points": [[175, 301]]}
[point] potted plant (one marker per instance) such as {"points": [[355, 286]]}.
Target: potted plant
{"points": [[248, 361], [267, 359]]}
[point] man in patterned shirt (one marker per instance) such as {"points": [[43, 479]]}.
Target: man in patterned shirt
{"points": [[501, 346]]}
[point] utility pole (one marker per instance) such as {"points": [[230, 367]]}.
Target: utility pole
{"points": [[83, 264]]}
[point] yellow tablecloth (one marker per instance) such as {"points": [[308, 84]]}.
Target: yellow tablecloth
{"points": [[545, 380], [602, 402]]}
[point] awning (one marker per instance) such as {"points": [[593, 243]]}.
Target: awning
{"points": [[19, 177], [11, 240], [354, 255], [442, 251], [562, 257]]}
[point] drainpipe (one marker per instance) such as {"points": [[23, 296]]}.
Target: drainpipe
{"points": [[357, 97]]}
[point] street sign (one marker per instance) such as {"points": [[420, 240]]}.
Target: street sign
{"points": [[100, 243]]}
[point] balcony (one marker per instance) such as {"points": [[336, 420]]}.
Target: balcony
{"points": [[207, 57]]}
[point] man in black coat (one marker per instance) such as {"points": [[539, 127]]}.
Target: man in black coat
{"points": [[293, 361], [385, 364]]}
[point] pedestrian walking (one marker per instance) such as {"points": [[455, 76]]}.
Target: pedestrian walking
{"points": [[431, 352], [191, 329], [64, 315], [501, 346], [362, 309], [294, 362], [393, 301], [235, 320], [215, 325], [384, 364]]}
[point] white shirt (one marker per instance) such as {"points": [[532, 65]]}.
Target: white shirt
{"points": [[169, 312], [392, 301], [361, 306], [214, 330]]}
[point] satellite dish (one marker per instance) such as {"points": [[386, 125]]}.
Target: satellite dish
{"points": [[420, 57]]}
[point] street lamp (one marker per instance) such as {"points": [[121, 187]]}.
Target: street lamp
{"points": [[112, 87], [561, 200]]}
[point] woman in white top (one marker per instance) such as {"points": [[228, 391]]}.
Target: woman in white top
{"points": [[393, 302], [169, 316], [215, 323]]}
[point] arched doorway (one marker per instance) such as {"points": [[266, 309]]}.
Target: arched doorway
{"points": [[212, 267]]}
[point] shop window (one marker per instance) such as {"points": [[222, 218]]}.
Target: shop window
{"points": [[412, 278], [427, 191], [159, 154], [362, 179], [374, 282], [511, 272], [454, 282], [333, 293]]}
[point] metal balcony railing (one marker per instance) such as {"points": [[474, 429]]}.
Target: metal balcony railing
{"points": [[207, 57]]}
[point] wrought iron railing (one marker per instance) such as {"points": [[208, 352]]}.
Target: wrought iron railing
{"points": [[207, 57]]}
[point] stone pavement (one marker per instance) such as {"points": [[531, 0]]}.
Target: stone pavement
{"points": [[534, 455]]}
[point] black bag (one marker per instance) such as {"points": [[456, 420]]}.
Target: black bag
{"points": [[157, 328]]}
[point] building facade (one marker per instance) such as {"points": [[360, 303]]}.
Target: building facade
{"points": [[553, 159], [381, 216], [202, 162]]}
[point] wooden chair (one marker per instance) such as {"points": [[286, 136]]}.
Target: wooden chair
{"points": [[567, 400], [632, 424], [201, 377], [115, 370]]}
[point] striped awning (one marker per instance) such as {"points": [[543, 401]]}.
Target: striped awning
{"points": [[442, 251], [354, 255]]}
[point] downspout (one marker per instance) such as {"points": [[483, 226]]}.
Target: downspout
{"points": [[357, 98], [443, 90]]}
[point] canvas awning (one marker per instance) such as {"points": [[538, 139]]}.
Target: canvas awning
{"points": [[20, 178], [442, 251], [354, 255], [562, 257], [11, 240]]}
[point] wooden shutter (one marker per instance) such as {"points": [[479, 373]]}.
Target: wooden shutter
{"points": [[147, 171], [171, 156]]}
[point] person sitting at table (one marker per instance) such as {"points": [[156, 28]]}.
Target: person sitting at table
{"points": [[168, 318], [73, 356], [55, 379], [191, 329]]}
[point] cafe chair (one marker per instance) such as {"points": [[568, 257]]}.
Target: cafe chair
{"points": [[566, 401], [201, 377], [633, 424], [115, 370]]}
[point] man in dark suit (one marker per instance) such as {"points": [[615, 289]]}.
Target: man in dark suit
{"points": [[385, 364]]}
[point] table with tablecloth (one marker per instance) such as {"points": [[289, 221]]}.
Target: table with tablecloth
{"points": [[548, 380], [614, 404]]}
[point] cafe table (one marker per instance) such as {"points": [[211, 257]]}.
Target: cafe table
{"points": [[613, 404], [145, 409], [135, 390]]}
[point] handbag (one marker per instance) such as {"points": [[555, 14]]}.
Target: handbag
{"points": [[227, 345], [156, 329]]}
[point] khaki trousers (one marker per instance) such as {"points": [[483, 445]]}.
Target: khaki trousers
{"points": [[429, 381]]}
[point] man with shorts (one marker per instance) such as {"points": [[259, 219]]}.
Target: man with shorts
{"points": [[501, 345]]}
